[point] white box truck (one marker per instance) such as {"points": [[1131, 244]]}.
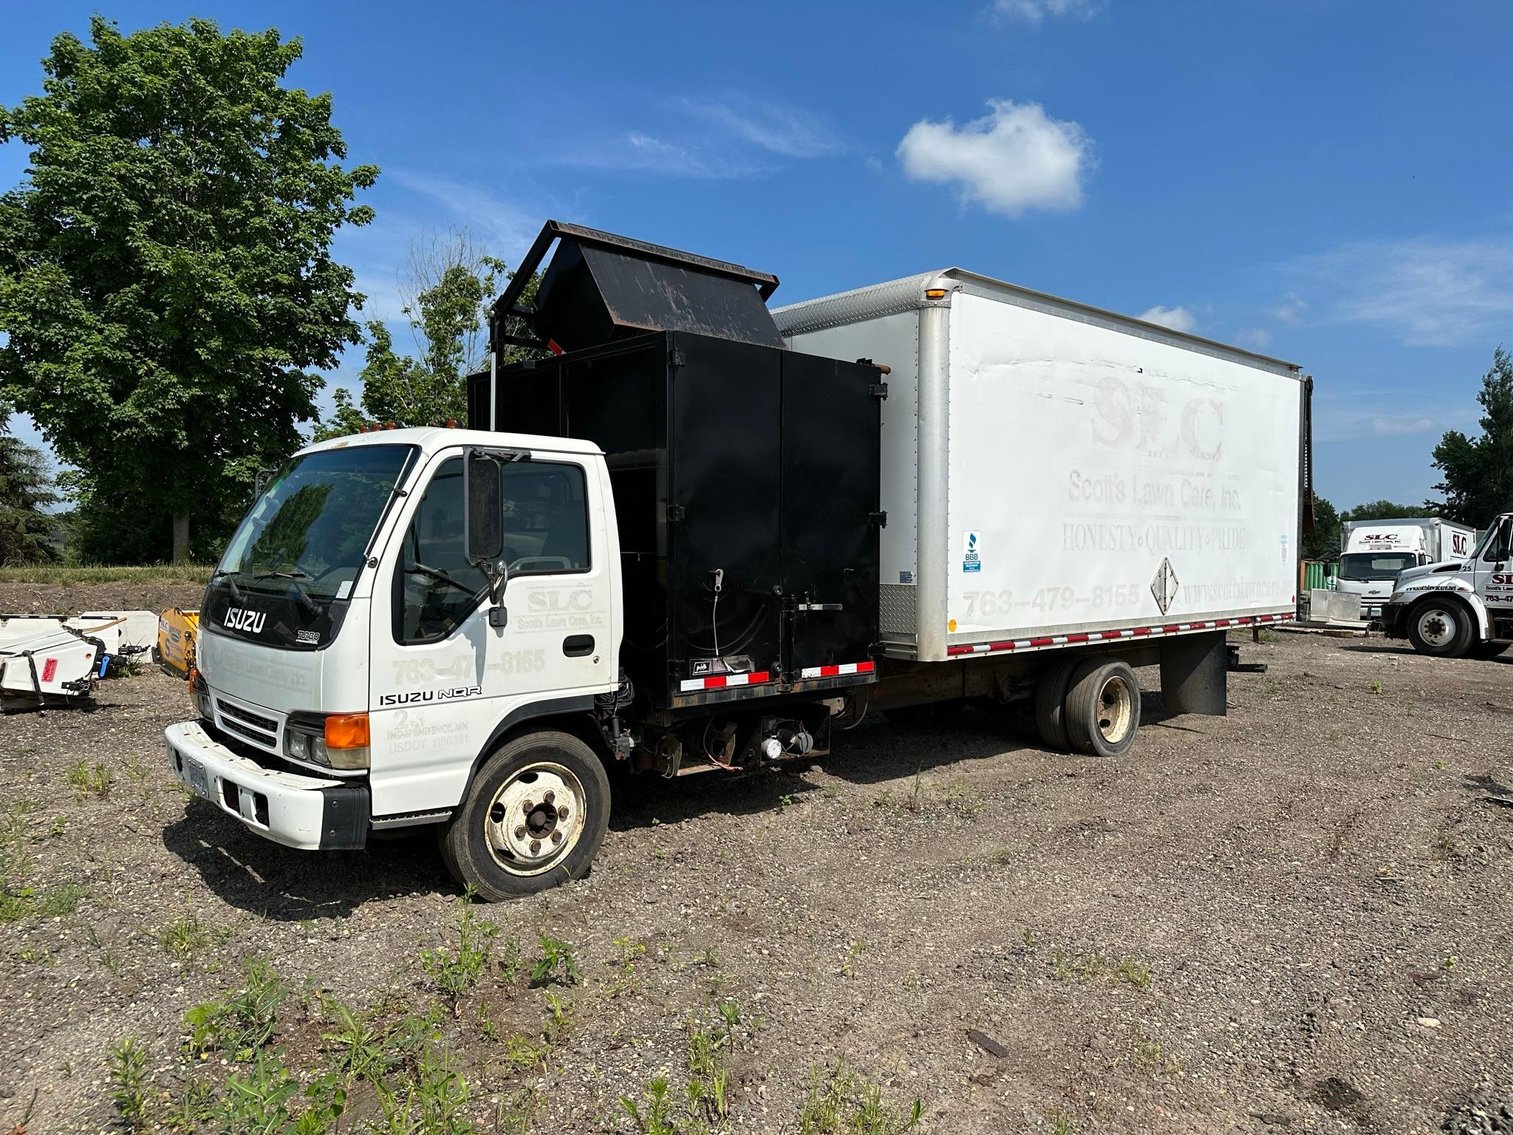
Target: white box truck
{"points": [[1056, 474], [677, 544], [1373, 552]]}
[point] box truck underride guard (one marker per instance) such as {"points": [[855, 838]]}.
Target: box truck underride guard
{"points": [[696, 534]]}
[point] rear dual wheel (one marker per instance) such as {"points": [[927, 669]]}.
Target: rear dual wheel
{"points": [[1089, 706]]}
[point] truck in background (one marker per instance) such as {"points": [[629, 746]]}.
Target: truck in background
{"points": [[694, 537], [1373, 552], [1461, 607]]}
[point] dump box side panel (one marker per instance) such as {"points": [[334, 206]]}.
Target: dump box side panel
{"points": [[892, 340], [1101, 478]]}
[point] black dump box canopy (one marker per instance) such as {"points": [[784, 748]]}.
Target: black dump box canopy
{"points": [[601, 287], [745, 476]]}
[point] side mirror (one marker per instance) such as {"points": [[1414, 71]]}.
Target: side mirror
{"points": [[483, 518]]}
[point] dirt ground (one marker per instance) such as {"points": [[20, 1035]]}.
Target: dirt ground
{"points": [[1293, 918]]}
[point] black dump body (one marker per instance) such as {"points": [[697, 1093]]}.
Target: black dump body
{"points": [[751, 469]]}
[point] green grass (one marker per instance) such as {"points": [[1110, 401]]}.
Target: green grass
{"points": [[29, 902], [63, 575]]}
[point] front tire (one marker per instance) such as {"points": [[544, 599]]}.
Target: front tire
{"points": [[1103, 708], [534, 816], [1441, 628]]}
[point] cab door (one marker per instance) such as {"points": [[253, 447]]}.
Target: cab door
{"points": [[444, 682], [1494, 571]]}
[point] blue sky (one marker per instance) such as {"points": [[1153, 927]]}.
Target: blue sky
{"points": [[1320, 180]]}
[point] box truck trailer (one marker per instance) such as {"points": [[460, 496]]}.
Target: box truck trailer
{"points": [[1373, 552], [689, 536]]}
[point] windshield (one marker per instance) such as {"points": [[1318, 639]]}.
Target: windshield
{"points": [[1371, 566], [312, 524]]}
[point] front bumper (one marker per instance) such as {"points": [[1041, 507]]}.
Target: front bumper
{"points": [[306, 812], [1393, 623]]}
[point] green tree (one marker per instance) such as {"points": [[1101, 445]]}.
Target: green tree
{"points": [[1387, 510], [447, 285], [1478, 472], [27, 532], [1323, 543], [165, 270]]}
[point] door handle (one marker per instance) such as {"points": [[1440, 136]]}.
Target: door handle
{"points": [[577, 645]]}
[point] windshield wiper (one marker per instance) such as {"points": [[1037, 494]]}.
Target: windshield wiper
{"points": [[310, 605], [230, 578]]}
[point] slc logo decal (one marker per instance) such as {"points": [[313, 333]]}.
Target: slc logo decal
{"points": [[971, 557]]}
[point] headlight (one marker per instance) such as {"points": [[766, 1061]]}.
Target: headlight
{"points": [[337, 741]]}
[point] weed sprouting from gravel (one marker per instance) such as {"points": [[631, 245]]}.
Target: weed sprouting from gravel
{"points": [[843, 1102], [15, 845], [187, 937], [88, 779], [128, 1074], [1134, 971], [1063, 1124], [556, 962], [241, 1025], [454, 972], [51, 902]]}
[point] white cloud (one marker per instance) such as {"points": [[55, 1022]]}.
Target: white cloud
{"points": [[1177, 318], [785, 131], [1012, 160], [727, 136], [1290, 309], [1354, 413], [1256, 338], [1034, 11], [1427, 292]]}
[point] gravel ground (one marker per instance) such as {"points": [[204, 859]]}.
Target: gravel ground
{"points": [[1294, 918]]}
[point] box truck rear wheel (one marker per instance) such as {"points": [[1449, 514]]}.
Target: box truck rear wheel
{"points": [[1103, 707], [1440, 627], [533, 817], [1050, 704]]}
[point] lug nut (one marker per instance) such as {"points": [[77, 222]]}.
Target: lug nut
{"points": [[520, 832], [528, 806], [562, 812], [556, 837], [550, 796], [535, 846]]}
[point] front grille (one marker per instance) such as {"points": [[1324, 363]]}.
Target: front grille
{"points": [[244, 722]]}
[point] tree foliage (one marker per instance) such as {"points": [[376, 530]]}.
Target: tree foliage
{"points": [[446, 289], [27, 532], [1387, 510], [1478, 472], [165, 271], [1323, 543]]}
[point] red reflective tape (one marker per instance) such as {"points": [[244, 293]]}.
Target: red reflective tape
{"points": [[1076, 638], [49, 669], [713, 683], [1046, 641], [866, 667]]}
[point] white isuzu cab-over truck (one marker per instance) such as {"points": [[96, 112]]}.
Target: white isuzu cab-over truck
{"points": [[687, 537]]}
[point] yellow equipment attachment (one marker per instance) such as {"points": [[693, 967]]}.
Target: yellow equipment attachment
{"points": [[177, 631]]}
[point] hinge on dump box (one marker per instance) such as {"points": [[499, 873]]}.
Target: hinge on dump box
{"points": [[878, 518], [675, 513], [879, 390], [676, 358]]}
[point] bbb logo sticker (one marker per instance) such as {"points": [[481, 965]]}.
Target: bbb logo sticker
{"points": [[971, 553]]}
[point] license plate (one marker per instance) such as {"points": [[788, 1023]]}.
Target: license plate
{"points": [[198, 780]]}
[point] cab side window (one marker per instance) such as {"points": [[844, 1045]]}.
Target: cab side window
{"points": [[438, 587], [1497, 546], [545, 519], [545, 533]]}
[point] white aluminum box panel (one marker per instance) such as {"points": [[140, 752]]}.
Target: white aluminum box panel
{"points": [[1082, 463]]}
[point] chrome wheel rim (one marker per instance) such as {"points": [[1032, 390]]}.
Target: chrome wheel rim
{"points": [[1115, 710]]}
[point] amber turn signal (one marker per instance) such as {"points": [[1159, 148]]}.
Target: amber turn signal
{"points": [[347, 731]]}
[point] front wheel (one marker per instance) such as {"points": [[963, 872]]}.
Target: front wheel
{"points": [[1103, 707], [533, 817], [1440, 628]]}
